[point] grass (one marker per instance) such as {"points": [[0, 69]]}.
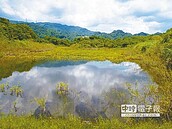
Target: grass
{"points": [[71, 122], [23, 55]]}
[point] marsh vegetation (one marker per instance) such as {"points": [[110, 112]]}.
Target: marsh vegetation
{"points": [[20, 52]]}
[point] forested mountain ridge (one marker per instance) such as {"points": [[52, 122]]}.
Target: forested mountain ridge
{"points": [[57, 30], [44, 32]]}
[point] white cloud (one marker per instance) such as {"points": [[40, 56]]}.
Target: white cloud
{"points": [[100, 15], [6, 7]]}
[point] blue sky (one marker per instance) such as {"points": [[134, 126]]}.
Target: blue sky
{"points": [[132, 16]]}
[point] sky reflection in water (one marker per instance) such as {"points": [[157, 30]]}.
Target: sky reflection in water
{"points": [[91, 78]]}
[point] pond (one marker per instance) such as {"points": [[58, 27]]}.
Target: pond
{"points": [[93, 87]]}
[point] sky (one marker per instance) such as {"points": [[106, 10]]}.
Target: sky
{"points": [[132, 16]]}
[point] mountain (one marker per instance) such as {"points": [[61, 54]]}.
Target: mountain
{"points": [[113, 35], [157, 33], [43, 29], [119, 34], [141, 34]]}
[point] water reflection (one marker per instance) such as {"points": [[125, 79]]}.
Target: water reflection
{"points": [[91, 80]]}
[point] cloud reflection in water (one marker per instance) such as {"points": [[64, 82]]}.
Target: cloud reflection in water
{"points": [[91, 78]]}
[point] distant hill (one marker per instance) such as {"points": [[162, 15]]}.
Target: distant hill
{"points": [[43, 29], [157, 33], [114, 35], [141, 34]]}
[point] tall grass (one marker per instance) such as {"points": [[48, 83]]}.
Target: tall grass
{"points": [[72, 122], [23, 55]]}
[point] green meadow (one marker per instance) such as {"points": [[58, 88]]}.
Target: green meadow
{"points": [[153, 53]]}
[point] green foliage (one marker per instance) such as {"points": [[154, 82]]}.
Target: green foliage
{"points": [[4, 87], [71, 122], [113, 35], [99, 42], [58, 41], [148, 96], [4, 21], [167, 37], [40, 102], [167, 57], [166, 51], [43, 29], [62, 91], [16, 90], [42, 32], [53, 33], [62, 88], [143, 49], [15, 31]]}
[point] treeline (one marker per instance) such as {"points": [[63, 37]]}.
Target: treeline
{"points": [[100, 42], [97, 42], [15, 31], [54, 40]]}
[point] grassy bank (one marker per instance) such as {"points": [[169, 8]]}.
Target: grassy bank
{"points": [[13, 122], [23, 55]]}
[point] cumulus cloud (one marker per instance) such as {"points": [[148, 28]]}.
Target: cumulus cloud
{"points": [[98, 15]]}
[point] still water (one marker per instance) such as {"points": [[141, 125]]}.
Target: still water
{"points": [[92, 83]]}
